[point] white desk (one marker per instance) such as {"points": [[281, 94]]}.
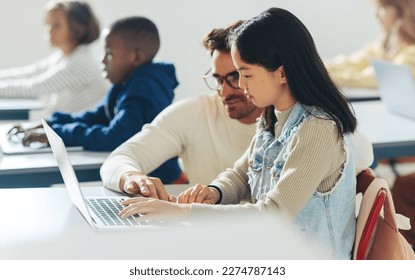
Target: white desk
{"points": [[18, 109], [41, 170], [42, 223], [391, 135]]}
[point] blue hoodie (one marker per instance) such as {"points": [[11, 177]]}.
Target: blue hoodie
{"points": [[127, 107]]}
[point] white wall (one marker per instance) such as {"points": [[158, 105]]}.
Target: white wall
{"points": [[338, 26]]}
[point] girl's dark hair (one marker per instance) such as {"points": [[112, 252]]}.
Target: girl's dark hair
{"points": [[276, 37], [83, 24]]}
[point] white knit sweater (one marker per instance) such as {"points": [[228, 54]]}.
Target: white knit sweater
{"points": [[196, 129]]}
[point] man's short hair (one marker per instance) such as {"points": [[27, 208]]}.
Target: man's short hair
{"points": [[217, 38], [138, 32]]}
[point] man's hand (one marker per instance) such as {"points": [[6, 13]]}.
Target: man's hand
{"points": [[199, 194], [137, 183]]}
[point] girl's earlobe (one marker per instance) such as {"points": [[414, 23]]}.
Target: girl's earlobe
{"points": [[282, 75]]}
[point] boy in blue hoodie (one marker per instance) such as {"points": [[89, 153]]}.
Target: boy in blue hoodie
{"points": [[141, 89]]}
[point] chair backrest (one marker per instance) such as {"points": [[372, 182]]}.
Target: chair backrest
{"points": [[377, 235], [368, 226]]}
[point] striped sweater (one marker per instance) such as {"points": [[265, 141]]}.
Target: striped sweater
{"points": [[66, 83]]}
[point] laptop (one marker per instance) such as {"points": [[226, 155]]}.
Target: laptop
{"points": [[100, 212], [12, 145], [396, 87]]}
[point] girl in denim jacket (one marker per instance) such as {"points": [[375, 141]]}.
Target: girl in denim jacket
{"points": [[300, 164]]}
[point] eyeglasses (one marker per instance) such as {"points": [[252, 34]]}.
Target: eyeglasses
{"points": [[215, 82]]}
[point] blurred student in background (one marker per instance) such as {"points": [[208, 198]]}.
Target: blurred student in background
{"points": [[70, 79], [141, 89], [396, 44]]}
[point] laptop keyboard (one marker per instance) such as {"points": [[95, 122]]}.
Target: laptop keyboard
{"points": [[107, 209]]}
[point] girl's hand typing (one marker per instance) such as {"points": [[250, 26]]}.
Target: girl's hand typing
{"points": [[199, 194], [151, 209]]}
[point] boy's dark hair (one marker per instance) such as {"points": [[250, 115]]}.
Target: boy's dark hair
{"points": [[139, 33], [217, 38], [83, 24]]}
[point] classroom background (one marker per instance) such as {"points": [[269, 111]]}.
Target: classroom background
{"points": [[182, 24]]}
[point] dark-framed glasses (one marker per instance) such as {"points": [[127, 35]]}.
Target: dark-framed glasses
{"points": [[215, 82]]}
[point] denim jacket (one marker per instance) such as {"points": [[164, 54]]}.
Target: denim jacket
{"points": [[328, 219]]}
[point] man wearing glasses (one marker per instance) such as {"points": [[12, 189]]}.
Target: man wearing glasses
{"points": [[208, 132]]}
